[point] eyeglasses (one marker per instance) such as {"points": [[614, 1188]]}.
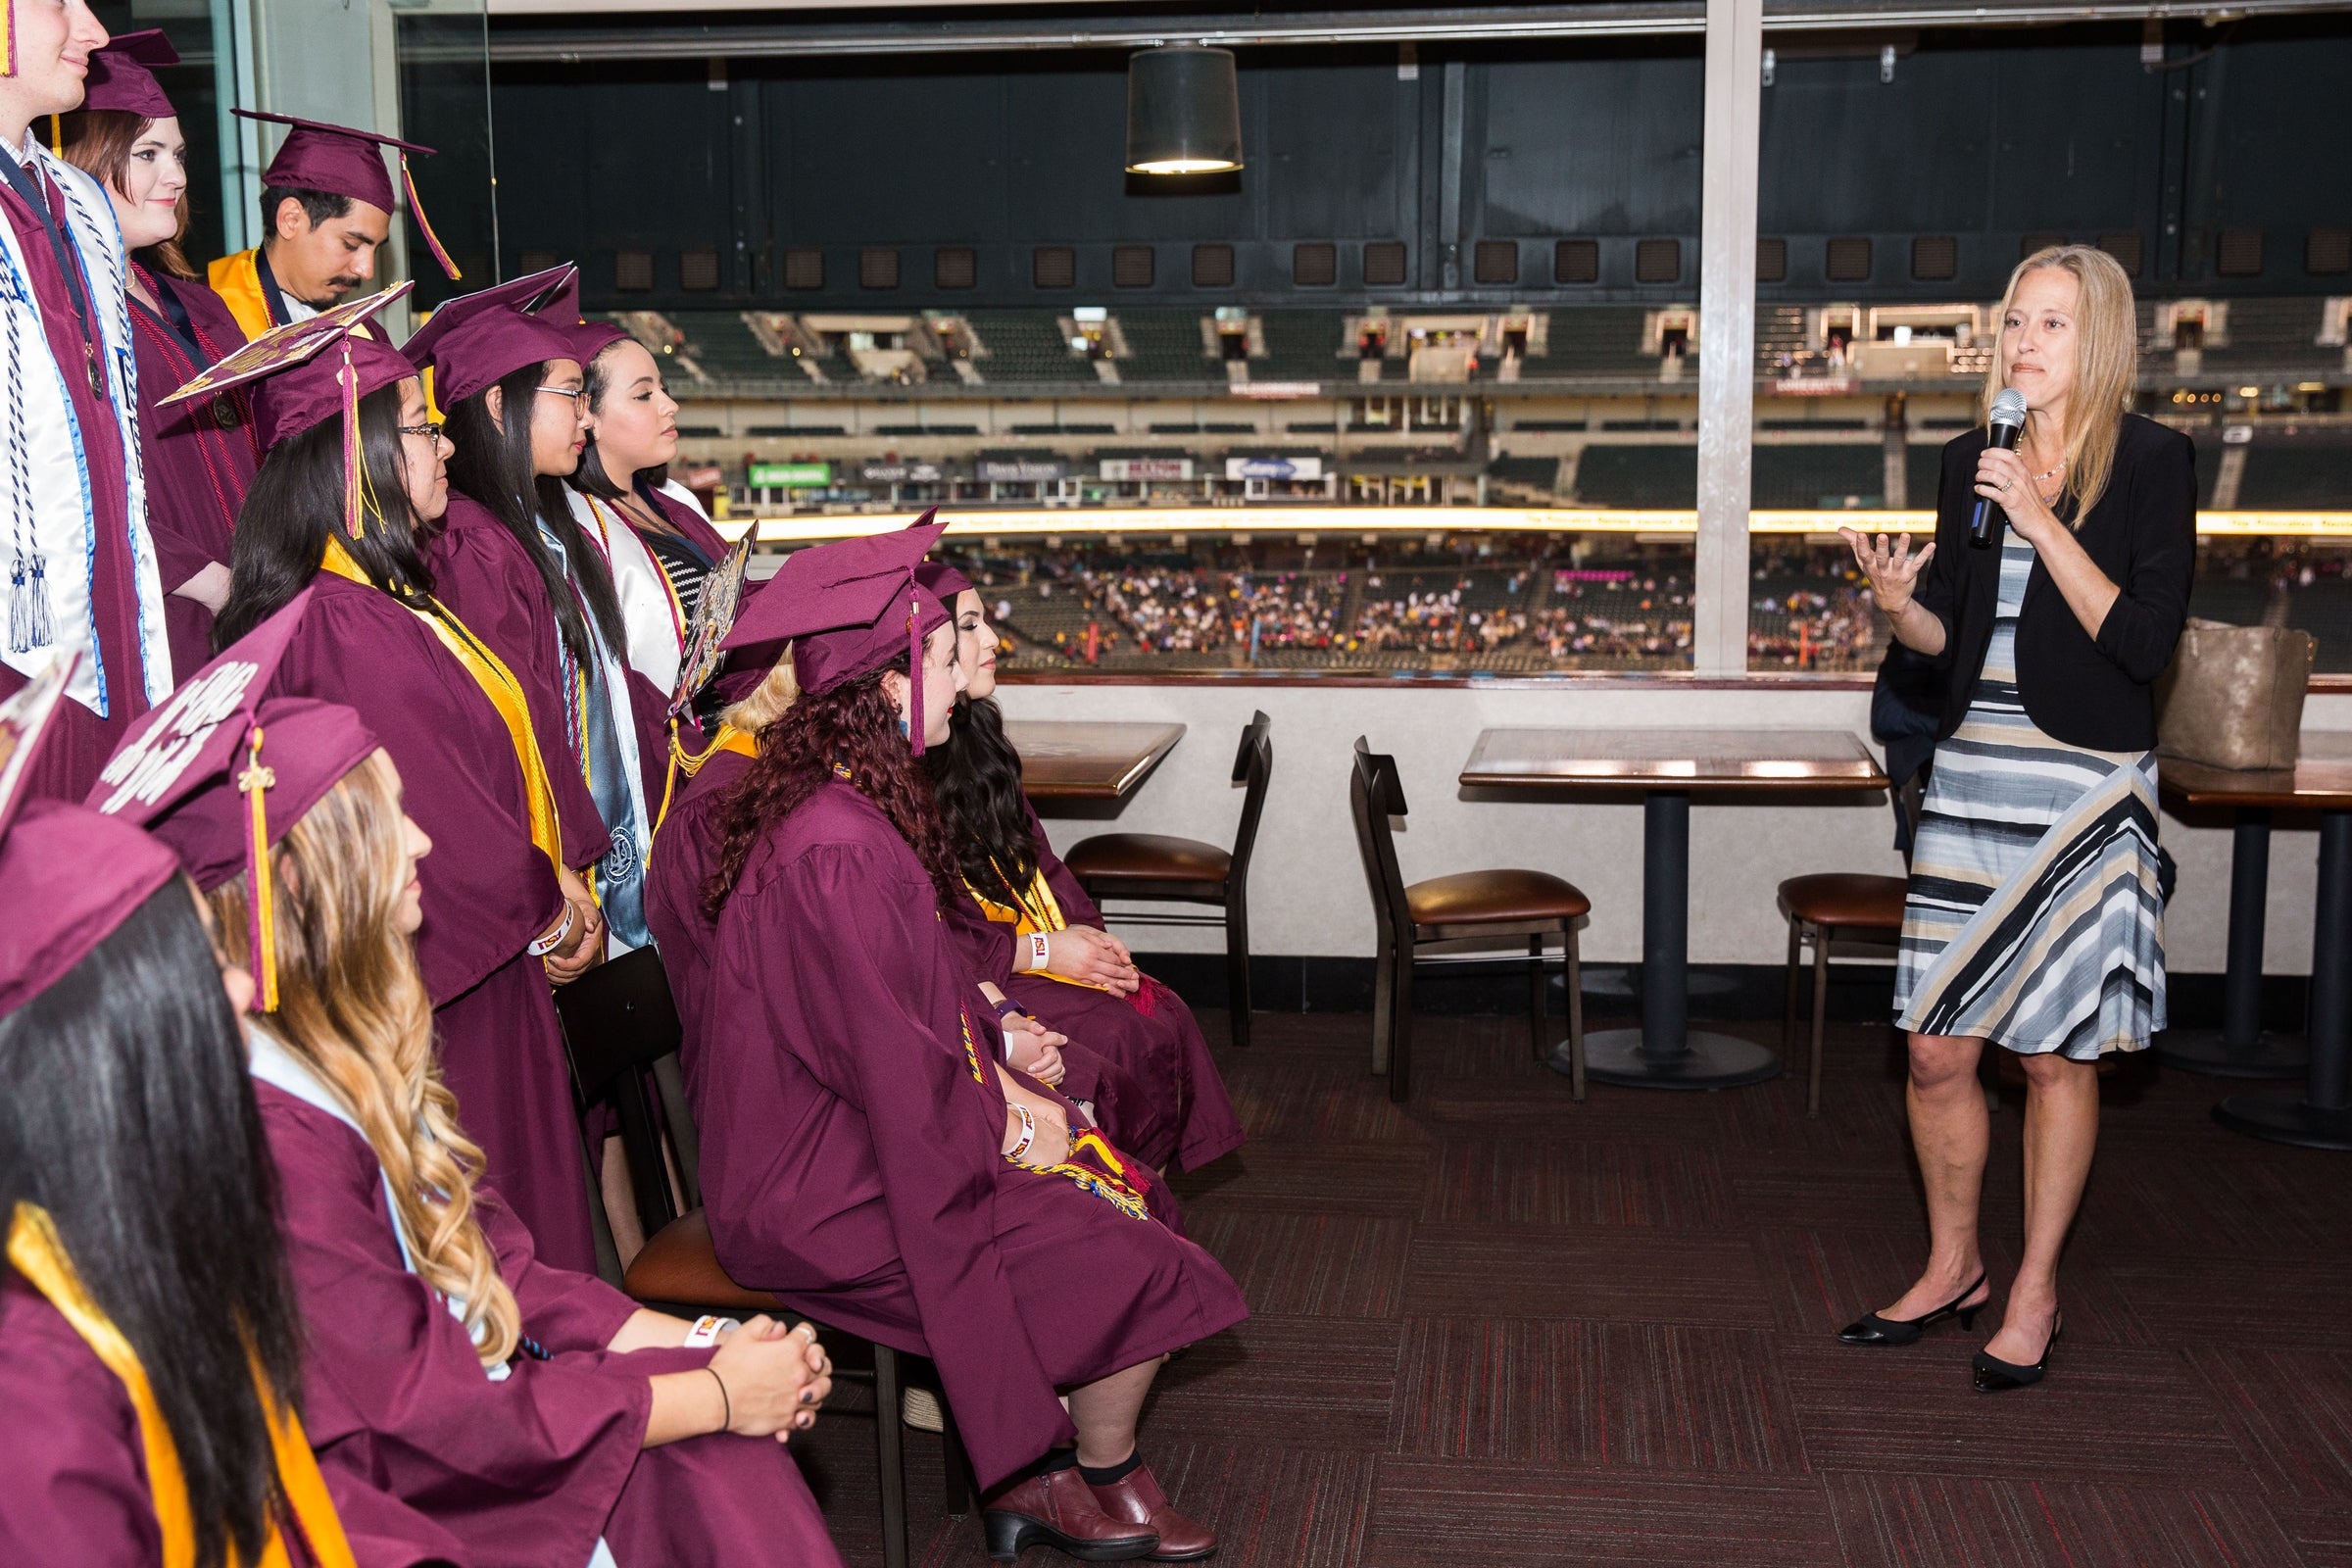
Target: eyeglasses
{"points": [[430, 429], [575, 393]]}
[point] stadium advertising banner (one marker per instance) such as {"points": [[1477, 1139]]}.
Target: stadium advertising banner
{"points": [[1307, 468], [901, 472], [788, 475], [1020, 471], [1147, 467]]}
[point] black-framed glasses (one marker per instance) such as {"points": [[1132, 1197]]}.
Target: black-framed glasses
{"points": [[430, 429]]}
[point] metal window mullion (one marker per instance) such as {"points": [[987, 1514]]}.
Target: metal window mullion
{"points": [[1726, 331]]}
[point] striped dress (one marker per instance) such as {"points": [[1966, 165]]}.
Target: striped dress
{"points": [[2034, 919]]}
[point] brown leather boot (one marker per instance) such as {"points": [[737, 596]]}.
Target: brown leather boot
{"points": [[1136, 1498], [1059, 1509]]}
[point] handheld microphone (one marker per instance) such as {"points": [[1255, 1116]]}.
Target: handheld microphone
{"points": [[2005, 425]]}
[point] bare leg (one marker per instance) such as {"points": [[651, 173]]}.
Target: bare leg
{"points": [[1950, 1133], [1105, 1413], [2062, 1128], [621, 1204]]}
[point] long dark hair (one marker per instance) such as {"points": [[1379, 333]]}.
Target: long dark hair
{"points": [[130, 1118], [297, 500], [856, 726], [493, 465], [591, 479], [976, 777]]}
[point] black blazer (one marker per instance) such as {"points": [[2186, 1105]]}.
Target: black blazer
{"points": [[2099, 694]]}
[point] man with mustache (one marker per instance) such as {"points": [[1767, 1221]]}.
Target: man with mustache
{"points": [[326, 205]]}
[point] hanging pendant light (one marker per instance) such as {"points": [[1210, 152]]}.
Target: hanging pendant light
{"points": [[1183, 111]]}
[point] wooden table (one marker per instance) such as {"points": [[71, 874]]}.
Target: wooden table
{"points": [[1072, 760], [2320, 1115], [1667, 768]]}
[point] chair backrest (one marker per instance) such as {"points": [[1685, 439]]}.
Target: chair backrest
{"points": [[1375, 795], [1253, 767], [620, 1025]]}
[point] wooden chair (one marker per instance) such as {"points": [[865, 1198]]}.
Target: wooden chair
{"points": [[1821, 908], [1158, 868], [620, 1027], [1464, 907]]}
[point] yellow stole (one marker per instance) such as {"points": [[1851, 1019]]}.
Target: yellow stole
{"points": [[238, 282], [498, 683], [1037, 911], [36, 1252]]}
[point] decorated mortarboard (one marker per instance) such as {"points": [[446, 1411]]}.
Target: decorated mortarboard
{"points": [[343, 162], [218, 771], [849, 609], [309, 371], [122, 79], [68, 876], [703, 650], [474, 340]]}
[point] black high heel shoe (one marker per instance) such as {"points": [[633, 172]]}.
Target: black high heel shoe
{"points": [[1996, 1376], [1871, 1329]]}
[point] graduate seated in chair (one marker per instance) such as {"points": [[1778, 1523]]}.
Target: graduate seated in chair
{"points": [[467, 1402], [150, 1348], [1037, 940], [865, 1153]]}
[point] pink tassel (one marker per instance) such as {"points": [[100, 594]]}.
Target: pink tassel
{"points": [[1141, 1001], [432, 241]]}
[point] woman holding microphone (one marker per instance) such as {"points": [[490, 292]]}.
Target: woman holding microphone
{"points": [[2033, 919]]}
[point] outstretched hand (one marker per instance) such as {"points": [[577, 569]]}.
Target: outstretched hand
{"points": [[1893, 569]]}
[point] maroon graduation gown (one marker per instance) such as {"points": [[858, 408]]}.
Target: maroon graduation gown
{"points": [[522, 1473], [1151, 1036], [851, 1156], [82, 742], [488, 889], [199, 455], [73, 1467]]}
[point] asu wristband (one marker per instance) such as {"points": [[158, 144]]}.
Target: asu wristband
{"points": [[707, 1330], [1037, 949], [554, 939]]}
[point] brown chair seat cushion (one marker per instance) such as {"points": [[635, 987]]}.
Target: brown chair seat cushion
{"points": [[679, 1265], [1147, 858], [1846, 898], [1501, 898]]}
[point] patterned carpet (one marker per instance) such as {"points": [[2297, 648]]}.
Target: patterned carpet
{"points": [[1498, 1328]]}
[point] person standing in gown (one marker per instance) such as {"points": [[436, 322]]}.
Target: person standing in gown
{"points": [[468, 1401], [2036, 918], [505, 911], [326, 211], [514, 561], [660, 546], [77, 568], [864, 1154], [199, 455], [145, 1309], [1031, 931]]}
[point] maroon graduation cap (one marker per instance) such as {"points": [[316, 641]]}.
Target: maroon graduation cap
{"points": [[309, 371], [122, 79], [474, 340], [944, 581], [217, 772], [68, 876], [849, 609], [343, 162]]}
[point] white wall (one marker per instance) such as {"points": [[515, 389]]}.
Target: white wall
{"points": [[1307, 887]]}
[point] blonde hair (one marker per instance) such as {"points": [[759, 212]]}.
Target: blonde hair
{"points": [[766, 702], [2106, 364], [353, 1006]]}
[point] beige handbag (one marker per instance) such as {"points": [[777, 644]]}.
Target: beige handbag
{"points": [[2233, 696]]}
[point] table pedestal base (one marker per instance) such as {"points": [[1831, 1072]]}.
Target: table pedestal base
{"points": [[2284, 1116], [1709, 1061], [2209, 1051]]}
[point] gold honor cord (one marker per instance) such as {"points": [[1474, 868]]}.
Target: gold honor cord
{"points": [[1114, 1183], [498, 683], [36, 1252], [1038, 911], [689, 763]]}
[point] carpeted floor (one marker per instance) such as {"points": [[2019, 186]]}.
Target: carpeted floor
{"points": [[1498, 1328]]}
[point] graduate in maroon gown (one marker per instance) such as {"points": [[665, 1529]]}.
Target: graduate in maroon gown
{"points": [[78, 568], [516, 564], [467, 1401], [1028, 927], [864, 1154], [199, 455], [144, 1303], [505, 909]]}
